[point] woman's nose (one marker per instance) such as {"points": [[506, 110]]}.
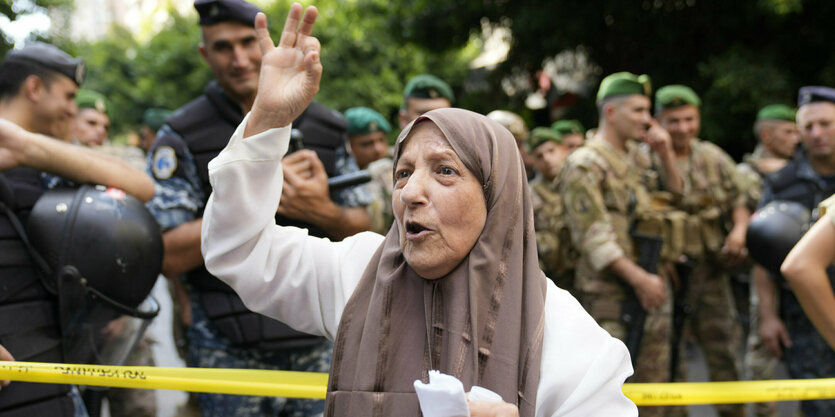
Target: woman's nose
{"points": [[414, 192]]}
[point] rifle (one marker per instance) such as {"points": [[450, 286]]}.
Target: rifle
{"points": [[681, 309], [632, 313]]}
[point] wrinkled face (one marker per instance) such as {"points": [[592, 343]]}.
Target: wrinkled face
{"points": [[548, 159], [817, 129], [90, 127], [572, 141], [368, 147], [683, 123], [56, 107], [415, 107], [629, 116], [231, 51], [438, 203], [781, 138]]}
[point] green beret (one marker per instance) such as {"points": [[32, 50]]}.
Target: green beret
{"points": [[427, 86], [89, 99], [567, 127], [777, 112], [155, 117], [362, 120], [624, 83], [672, 96], [541, 135]]}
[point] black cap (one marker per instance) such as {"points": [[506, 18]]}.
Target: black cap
{"points": [[50, 57], [811, 94], [216, 11]]}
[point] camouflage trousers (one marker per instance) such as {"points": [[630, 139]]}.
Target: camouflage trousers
{"points": [[653, 363], [809, 355], [759, 362], [712, 322], [313, 359]]}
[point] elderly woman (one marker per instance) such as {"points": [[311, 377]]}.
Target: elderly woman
{"points": [[454, 286]]}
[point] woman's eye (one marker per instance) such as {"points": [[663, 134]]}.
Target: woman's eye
{"points": [[447, 171], [401, 174]]}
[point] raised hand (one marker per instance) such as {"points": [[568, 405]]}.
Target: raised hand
{"points": [[290, 72]]}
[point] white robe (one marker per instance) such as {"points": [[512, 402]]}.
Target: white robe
{"points": [[306, 281]]}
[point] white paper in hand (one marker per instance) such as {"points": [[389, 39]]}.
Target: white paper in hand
{"points": [[444, 396]]}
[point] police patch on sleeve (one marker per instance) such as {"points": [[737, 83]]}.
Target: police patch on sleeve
{"points": [[165, 162]]}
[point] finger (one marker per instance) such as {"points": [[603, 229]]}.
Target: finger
{"points": [[290, 31], [784, 337], [308, 20], [265, 42]]}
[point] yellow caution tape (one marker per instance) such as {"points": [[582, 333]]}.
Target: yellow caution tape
{"points": [[314, 385], [684, 393], [221, 381]]}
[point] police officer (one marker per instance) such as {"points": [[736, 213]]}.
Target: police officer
{"points": [[222, 332], [552, 237], [368, 142], [807, 179], [37, 90], [152, 121], [777, 137], [604, 190], [713, 194], [423, 93]]}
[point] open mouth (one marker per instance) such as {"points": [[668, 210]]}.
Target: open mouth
{"points": [[415, 230]]}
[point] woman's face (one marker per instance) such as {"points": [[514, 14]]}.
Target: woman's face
{"points": [[438, 203]]}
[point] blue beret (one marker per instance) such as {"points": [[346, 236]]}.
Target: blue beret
{"points": [[215, 11], [811, 94], [49, 57]]}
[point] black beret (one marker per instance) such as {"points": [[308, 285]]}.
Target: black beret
{"points": [[811, 94], [216, 11], [49, 57]]}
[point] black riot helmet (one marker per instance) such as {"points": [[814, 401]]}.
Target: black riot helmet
{"points": [[103, 240], [774, 230]]}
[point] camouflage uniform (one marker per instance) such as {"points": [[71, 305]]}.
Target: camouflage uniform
{"points": [[603, 193], [380, 210], [553, 240], [759, 363], [178, 199], [712, 190]]}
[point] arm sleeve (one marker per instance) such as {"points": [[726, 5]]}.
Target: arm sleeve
{"points": [[588, 219], [280, 272], [583, 368], [178, 195]]}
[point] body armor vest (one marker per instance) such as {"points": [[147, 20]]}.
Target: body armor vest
{"points": [[29, 325], [206, 124]]}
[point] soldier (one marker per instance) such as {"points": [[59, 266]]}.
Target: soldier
{"points": [[778, 137], [552, 236], [91, 125], [423, 93], [807, 179], [368, 142], [603, 185], [713, 195], [37, 89], [572, 132], [516, 125], [221, 331]]}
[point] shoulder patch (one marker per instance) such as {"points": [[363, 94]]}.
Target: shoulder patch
{"points": [[164, 163]]}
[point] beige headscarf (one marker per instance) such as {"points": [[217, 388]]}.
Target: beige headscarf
{"points": [[482, 323]]}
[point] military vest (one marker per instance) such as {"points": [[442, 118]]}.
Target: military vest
{"points": [[206, 124], [29, 325]]}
